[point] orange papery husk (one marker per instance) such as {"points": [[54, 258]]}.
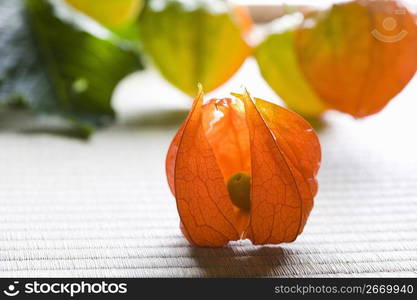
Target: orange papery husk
{"points": [[358, 55], [282, 156]]}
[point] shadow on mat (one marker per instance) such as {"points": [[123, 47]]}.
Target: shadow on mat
{"points": [[239, 262]]}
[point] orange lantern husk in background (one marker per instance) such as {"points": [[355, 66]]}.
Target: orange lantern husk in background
{"points": [[243, 170], [358, 55]]}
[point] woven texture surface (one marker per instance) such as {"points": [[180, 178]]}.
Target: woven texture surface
{"points": [[103, 208]]}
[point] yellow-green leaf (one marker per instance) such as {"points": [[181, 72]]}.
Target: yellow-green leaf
{"points": [[191, 42]]}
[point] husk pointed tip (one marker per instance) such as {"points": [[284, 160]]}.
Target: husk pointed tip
{"points": [[247, 96], [244, 96], [246, 92], [200, 88], [237, 95], [198, 100]]}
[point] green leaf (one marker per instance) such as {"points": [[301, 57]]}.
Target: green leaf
{"points": [[278, 62], [57, 68]]}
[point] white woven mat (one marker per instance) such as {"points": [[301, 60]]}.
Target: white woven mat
{"points": [[102, 208]]}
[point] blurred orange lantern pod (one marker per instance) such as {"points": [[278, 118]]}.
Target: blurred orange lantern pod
{"points": [[354, 57], [359, 55], [195, 41], [243, 169], [278, 62]]}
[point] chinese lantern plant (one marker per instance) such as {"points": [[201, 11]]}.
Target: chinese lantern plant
{"points": [[354, 57], [194, 41], [242, 168], [278, 63]]}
